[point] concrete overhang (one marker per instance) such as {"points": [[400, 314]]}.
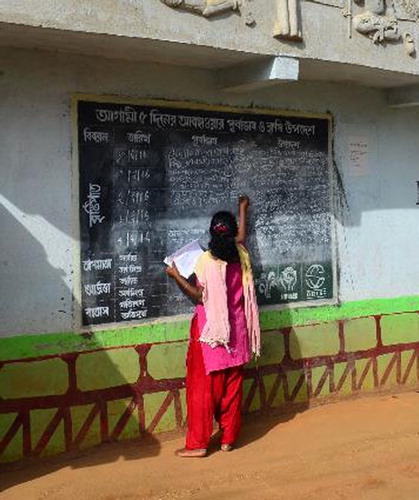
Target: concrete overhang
{"points": [[403, 97], [235, 70]]}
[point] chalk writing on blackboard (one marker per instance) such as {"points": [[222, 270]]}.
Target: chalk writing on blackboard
{"points": [[150, 179], [92, 205]]}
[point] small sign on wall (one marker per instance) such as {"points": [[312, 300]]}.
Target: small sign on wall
{"points": [[358, 153]]}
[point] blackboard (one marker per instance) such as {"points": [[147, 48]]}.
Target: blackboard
{"points": [[151, 176]]}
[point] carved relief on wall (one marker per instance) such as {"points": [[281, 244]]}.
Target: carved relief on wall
{"points": [[206, 8], [375, 23], [379, 22], [407, 9], [288, 23]]}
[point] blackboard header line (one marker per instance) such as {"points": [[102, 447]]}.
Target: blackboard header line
{"points": [[194, 105]]}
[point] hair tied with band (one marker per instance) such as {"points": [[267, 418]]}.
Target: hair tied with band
{"points": [[220, 228]]}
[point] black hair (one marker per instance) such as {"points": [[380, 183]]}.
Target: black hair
{"points": [[223, 231]]}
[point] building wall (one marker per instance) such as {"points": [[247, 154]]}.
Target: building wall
{"points": [[324, 28], [139, 390], [129, 381]]}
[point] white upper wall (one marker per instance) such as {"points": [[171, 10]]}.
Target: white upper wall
{"points": [[377, 220], [326, 32]]}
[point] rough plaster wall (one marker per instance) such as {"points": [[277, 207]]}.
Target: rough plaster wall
{"points": [[381, 240], [325, 29], [377, 226]]}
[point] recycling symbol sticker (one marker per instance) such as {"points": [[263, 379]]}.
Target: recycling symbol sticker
{"points": [[315, 276]]}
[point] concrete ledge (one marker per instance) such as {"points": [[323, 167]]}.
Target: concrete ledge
{"points": [[383, 364], [400, 328], [40, 420], [409, 367], [403, 97], [342, 378], [360, 334], [111, 368], [272, 349], [165, 359], [256, 75], [314, 340], [33, 379]]}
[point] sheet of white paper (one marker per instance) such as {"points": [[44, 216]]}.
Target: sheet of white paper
{"points": [[185, 258]]}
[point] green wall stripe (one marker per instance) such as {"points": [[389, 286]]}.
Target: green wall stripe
{"points": [[302, 316], [47, 344]]}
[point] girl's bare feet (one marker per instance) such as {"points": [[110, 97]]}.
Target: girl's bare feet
{"points": [[226, 447], [197, 453]]}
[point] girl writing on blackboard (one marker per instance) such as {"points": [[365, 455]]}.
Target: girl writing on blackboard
{"points": [[224, 333]]}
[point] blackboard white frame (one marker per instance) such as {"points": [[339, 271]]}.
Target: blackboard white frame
{"points": [[187, 105]]}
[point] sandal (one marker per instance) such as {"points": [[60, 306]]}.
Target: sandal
{"points": [[197, 453]]}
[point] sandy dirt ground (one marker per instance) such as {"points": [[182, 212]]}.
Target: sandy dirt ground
{"points": [[359, 449]]}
